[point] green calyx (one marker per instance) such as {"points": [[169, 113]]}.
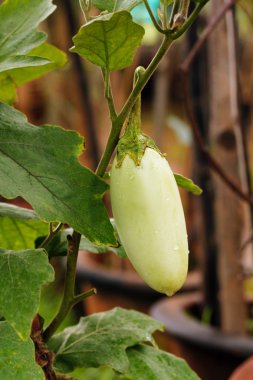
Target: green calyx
{"points": [[134, 141]]}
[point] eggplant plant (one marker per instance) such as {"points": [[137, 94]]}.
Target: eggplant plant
{"points": [[40, 164]]}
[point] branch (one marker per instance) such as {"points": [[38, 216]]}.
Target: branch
{"points": [[185, 7], [118, 122], [156, 25], [205, 34], [189, 21], [245, 243], [174, 11], [69, 299], [199, 139], [108, 94], [51, 235], [185, 66]]}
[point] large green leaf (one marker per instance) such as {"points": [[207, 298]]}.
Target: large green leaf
{"points": [[17, 356], [19, 227], [41, 165], [153, 364], [18, 22], [116, 5], [102, 339], [109, 41], [22, 275]]}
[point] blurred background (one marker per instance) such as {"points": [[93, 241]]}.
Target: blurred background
{"points": [[203, 121]]}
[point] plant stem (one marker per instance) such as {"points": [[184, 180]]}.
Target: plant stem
{"points": [[117, 124], [189, 21], [156, 25], [185, 8], [174, 11], [165, 16], [51, 235], [69, 299], [108, 94]]}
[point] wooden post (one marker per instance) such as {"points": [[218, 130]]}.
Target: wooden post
{"points": [[228, 208]]}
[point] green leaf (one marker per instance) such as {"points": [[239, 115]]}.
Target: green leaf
{"points": [[19, 20], [56, 246], [7, 90], [19, 227], [116, 5], [20, 234], [41, 165], [17, 356], [109, 41], [102, 339], [55, 58], [22, 275], [187, 184], [12, 211], [153, 364], [87, 245], [19, 61]]}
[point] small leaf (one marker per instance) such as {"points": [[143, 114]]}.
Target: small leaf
{"points": [[109, 41], [102, 339], [22, 275], [17, 357], [157, 365], [41, 165], [116, 5], [87, 245], [187, 184]]}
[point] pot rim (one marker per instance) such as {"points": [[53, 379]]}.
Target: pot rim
{"points": [[179, 324]]}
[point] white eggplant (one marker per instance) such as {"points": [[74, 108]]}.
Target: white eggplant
{"points": [[150, 220]]}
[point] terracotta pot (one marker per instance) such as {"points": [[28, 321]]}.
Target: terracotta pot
{"points": [[211, 353], [118, 286], [244, 371]]}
